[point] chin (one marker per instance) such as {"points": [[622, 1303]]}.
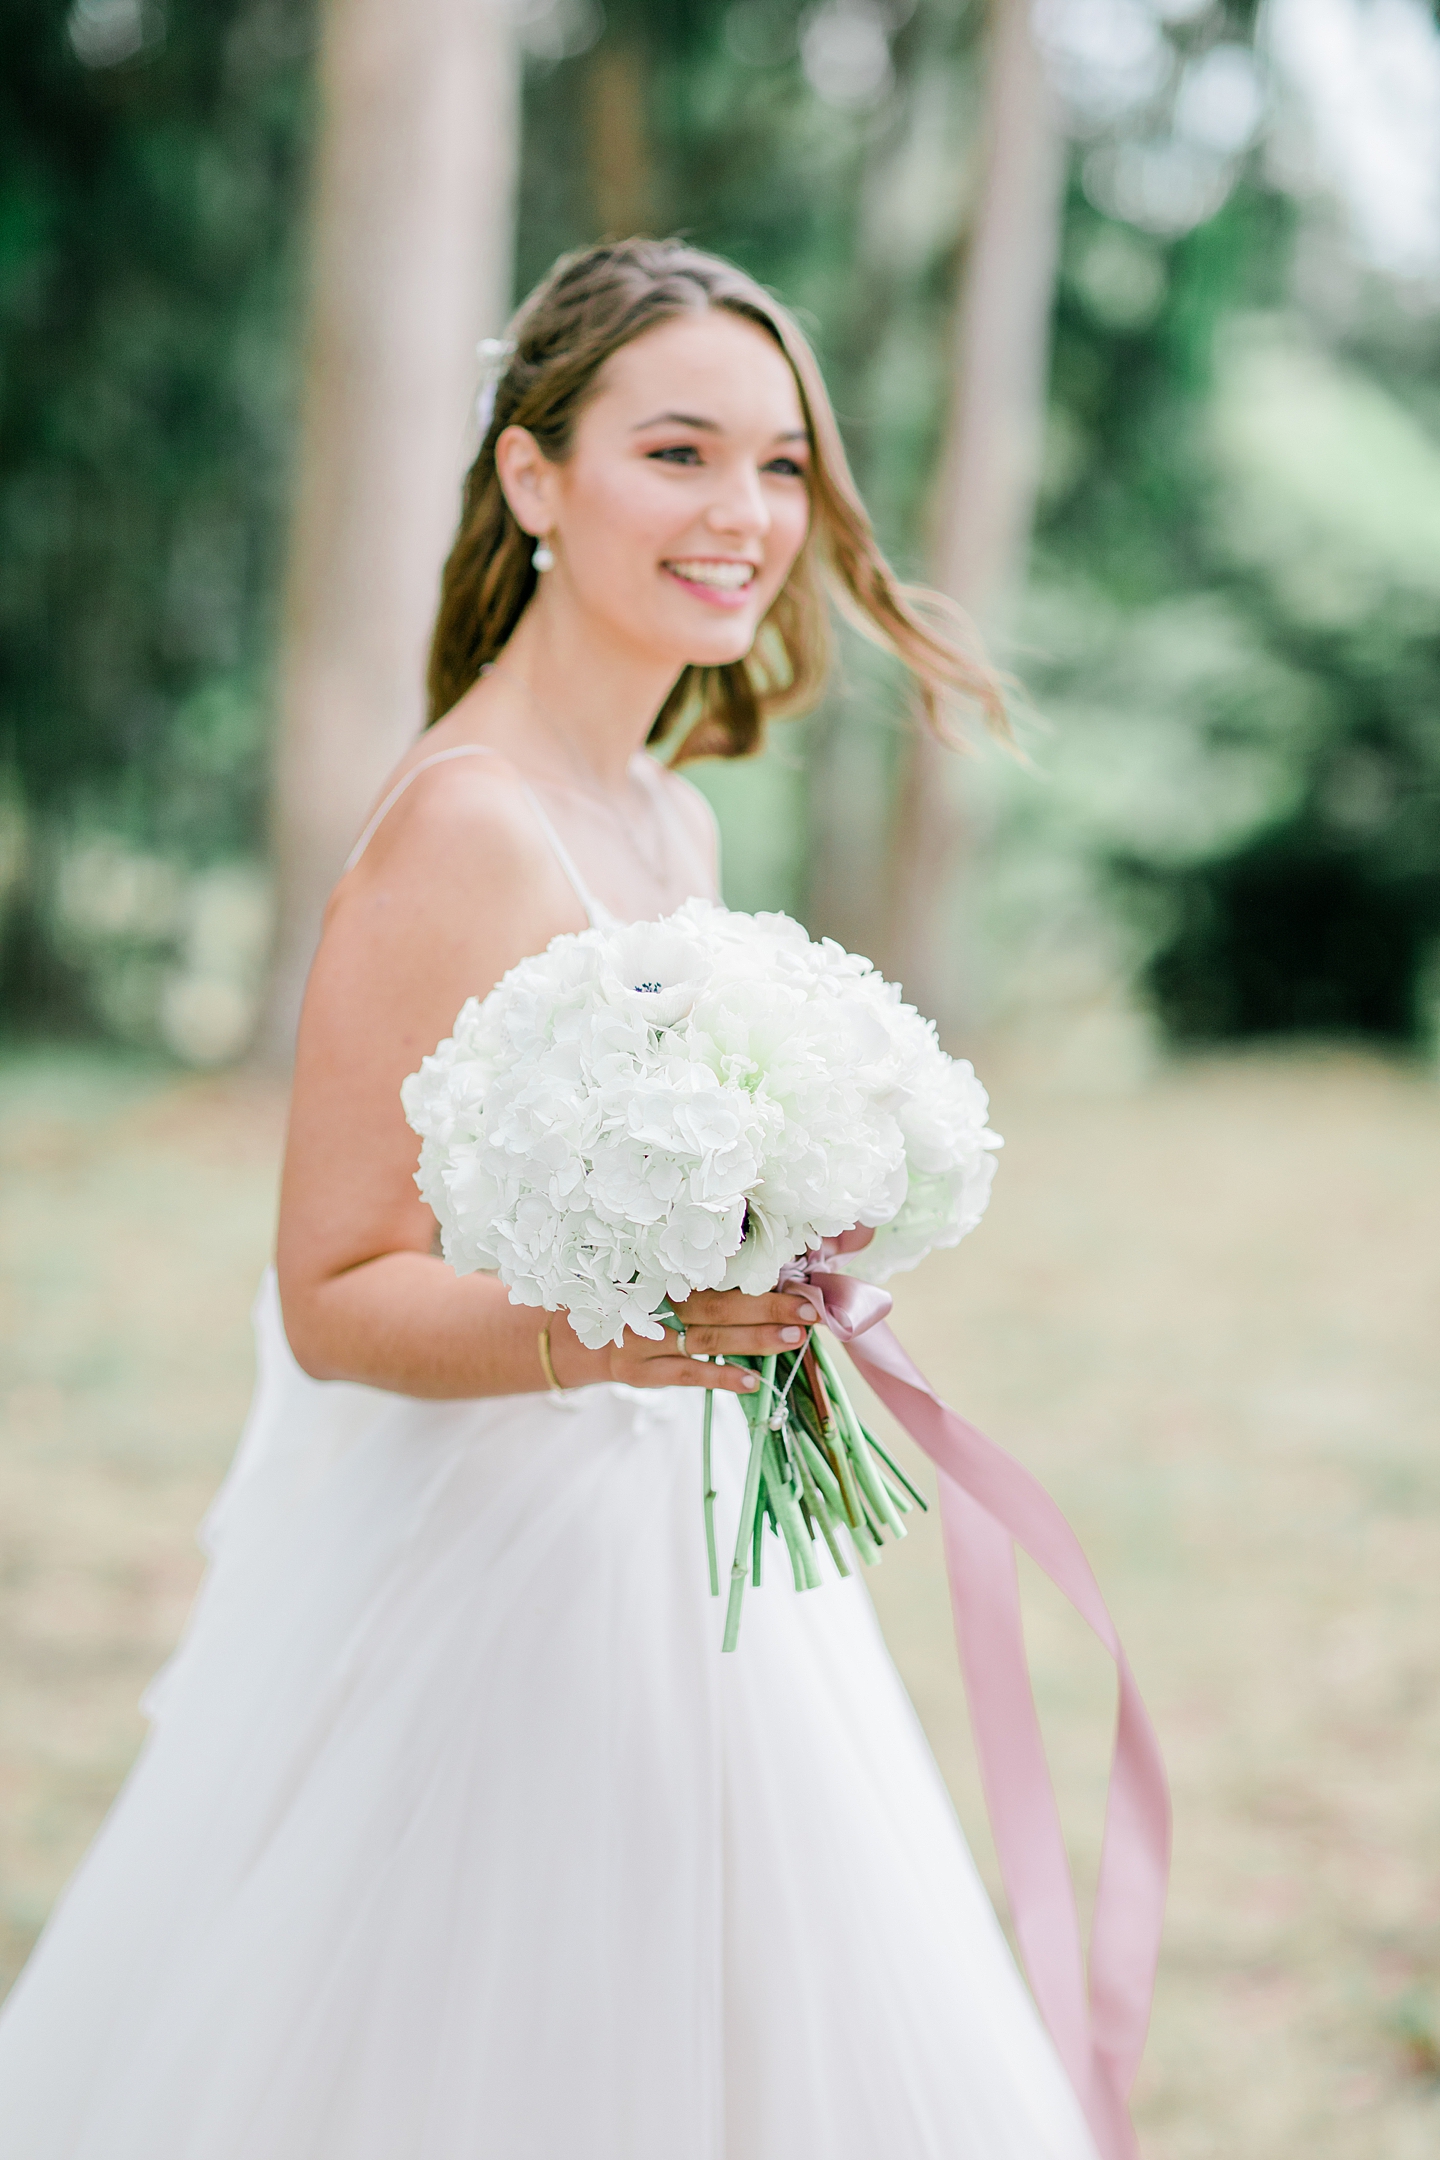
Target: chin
{"points": [[723, 647], [710, 643]]}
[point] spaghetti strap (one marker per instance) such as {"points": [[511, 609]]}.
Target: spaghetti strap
{"points": [[598, 914], [436, 757]]}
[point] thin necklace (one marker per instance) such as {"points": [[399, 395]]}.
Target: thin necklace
{"points": [[596, 792]]}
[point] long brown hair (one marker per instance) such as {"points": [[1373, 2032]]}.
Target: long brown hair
{"points": [[591, 304]]}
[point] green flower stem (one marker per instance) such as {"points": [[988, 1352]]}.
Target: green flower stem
{"points": [[899, 1498], [816, 1468], [877, 1492], [816, 1505], [839, 1454], [865, 1471], [894, 1468], [842, 1410], [834, 1386], [810, 1443], [784, 1440], [823, 1433], [764, 1403], [835, 1446], [747, 1534], [802, 1567], [819, 1466], [709, 1484], [856, 1513], [799, 1493], [865, 1542], [817, 1417]]}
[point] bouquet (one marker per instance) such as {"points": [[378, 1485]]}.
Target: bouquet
{"points": [[714, 1101]]}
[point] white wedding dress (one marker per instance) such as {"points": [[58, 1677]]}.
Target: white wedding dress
{"points": [[456, 1837]]}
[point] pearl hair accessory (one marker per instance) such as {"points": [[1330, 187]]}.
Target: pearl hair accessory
{"points": [[543, 557], [494, 355]]}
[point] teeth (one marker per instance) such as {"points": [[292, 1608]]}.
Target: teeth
{"points": [[724, 576]]}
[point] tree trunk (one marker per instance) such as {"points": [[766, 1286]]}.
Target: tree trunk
{"points": [[988, 478], [411, 265], [618, 141]]}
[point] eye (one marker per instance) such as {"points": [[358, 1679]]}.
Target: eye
{"points": [[788, 468], [676, 454]]}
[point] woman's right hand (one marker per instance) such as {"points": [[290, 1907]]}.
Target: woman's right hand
{"points": [[717, 1324]]}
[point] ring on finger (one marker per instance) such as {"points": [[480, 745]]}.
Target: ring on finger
{"points": [[681, 1333]]}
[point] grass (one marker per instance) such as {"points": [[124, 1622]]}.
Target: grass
{"points": [[1202, 1310]]}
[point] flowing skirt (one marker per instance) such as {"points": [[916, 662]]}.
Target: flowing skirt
{"points": [[455, 1837]]}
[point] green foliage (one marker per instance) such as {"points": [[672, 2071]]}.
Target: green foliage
{"points": [[147, 309], [1230, 638], [1232, 632], [853, 216]]}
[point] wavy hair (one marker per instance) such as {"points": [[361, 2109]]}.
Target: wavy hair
{"points": [[591, 304]]}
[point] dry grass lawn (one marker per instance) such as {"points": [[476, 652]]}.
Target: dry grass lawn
{"points": [[1204, 1311]]}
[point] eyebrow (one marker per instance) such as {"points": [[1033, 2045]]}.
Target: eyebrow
{"points": [[708, 427]]}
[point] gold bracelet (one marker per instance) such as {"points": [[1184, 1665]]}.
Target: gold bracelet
{"points": [[547, 1363]]}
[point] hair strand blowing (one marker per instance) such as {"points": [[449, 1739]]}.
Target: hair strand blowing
{"points": [[591, 304]]}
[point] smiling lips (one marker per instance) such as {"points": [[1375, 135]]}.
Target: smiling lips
{"points": [[715, 578]]}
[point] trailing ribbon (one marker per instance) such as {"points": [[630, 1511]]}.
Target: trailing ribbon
{"points": [[988, 1505]]}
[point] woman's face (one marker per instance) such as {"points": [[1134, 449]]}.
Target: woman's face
{"points": [[685, 499]]}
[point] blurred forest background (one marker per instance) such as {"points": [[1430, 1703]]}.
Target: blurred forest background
{"points": [[1131, 310], [1227, 639]]}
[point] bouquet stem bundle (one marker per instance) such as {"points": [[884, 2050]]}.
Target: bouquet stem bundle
{"points": [[814, 1472]]}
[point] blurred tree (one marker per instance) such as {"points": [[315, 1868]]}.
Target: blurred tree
{"points": [[988, 476], [411, 244], [1231, 618], [1233, 615], [618, 139], [148, 168]]}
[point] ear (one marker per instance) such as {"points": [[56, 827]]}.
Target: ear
{"points": [[527, 480]]}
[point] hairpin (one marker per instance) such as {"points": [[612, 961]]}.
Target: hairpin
{"points": [[494, 355]]}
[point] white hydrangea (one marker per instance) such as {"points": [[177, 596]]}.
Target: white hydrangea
{"points": [[684, 1105]]}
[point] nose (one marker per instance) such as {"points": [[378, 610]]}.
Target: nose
{"points": [[739, 508]]}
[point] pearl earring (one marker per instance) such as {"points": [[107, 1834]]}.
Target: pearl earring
{"points": [[543, 557]]}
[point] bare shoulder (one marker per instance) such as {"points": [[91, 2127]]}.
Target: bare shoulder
{"points": [[456, 884], [460, 830], [466, 812]]}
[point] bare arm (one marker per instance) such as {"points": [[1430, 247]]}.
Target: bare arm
{"points": [[456, 887]]}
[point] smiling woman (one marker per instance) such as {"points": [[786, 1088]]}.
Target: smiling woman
{"points": [[579, 338], [676, 530], [456, 1836]]}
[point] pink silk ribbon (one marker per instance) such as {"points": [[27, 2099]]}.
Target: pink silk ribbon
{"points": [[989, 1504]]}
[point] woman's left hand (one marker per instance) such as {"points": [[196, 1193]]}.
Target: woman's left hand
{"points": [[717, 1324], [729, 1323]]}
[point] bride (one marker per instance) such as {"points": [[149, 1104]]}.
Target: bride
{"points": [[455, 1837]]}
